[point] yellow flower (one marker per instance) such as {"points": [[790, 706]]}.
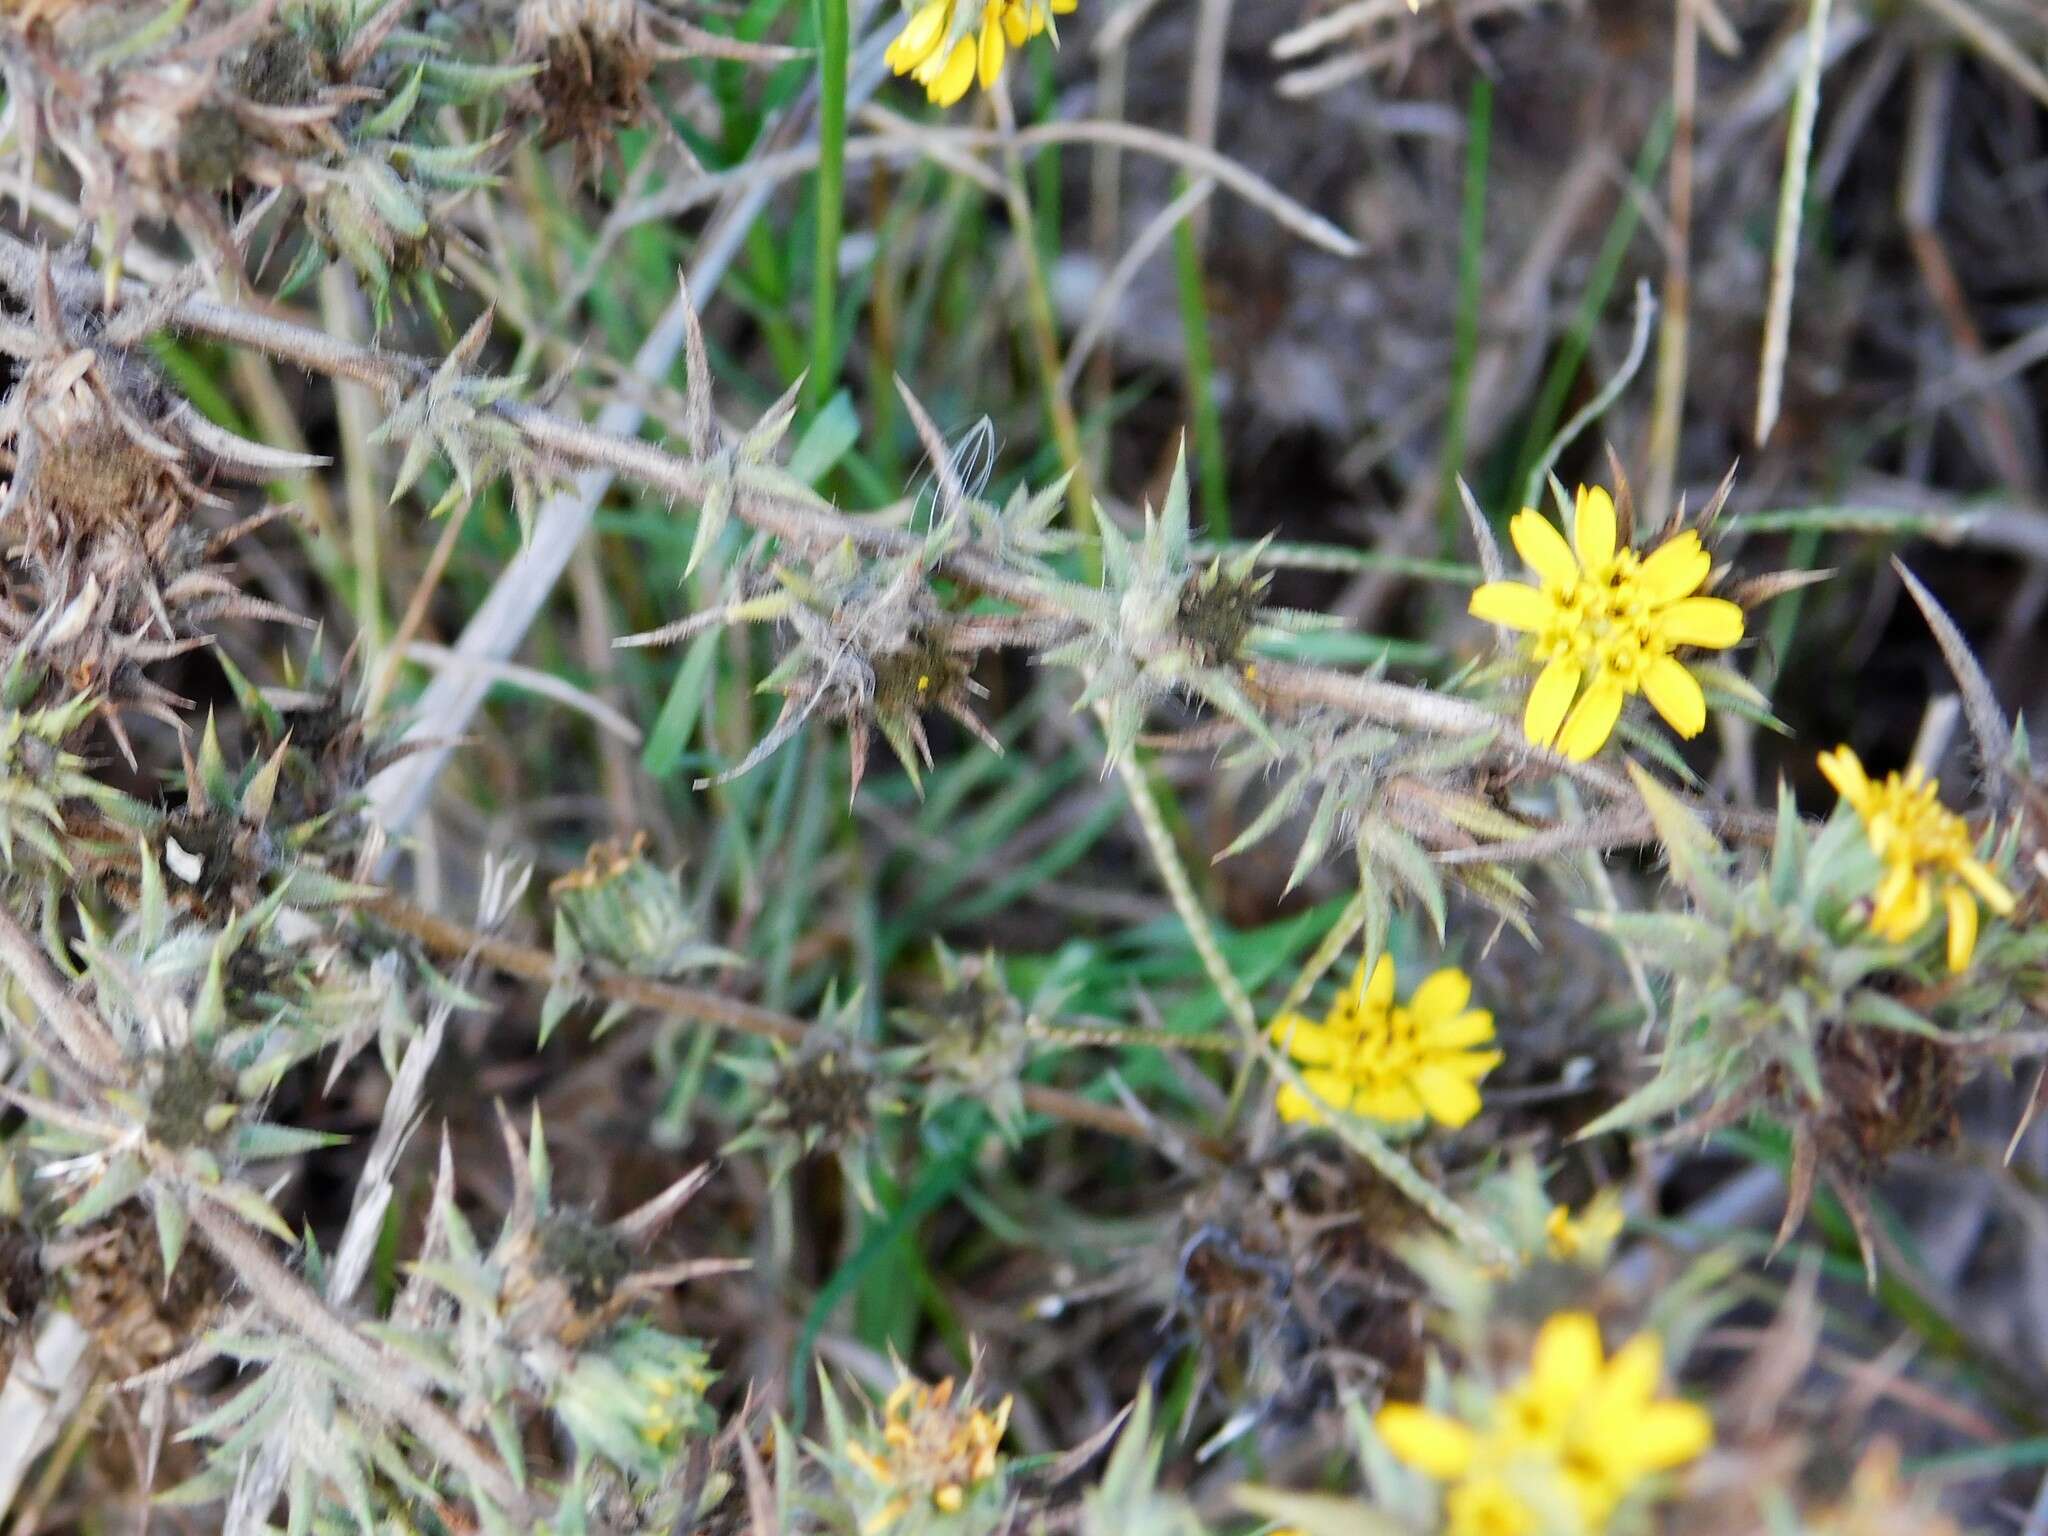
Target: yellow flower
{"points": [[931, 1448], [1386, 1061], [1610, 620], [947, 45], [1594, 1425], [1591, 1232], [1924, 846]]}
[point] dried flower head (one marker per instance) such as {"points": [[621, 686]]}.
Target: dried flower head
{"points": [[1389, 1061], [1282, 1274], [1606, 619], [542, 1316], [868, 644], [1926, 849], [591, 63], [1163, 624], [975, 1038], [824, 1094], [593, 59], [139, 1310]]}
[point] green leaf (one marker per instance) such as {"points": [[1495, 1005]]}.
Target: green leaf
{"points": [[677, 722], [390, 117], [119, 1180], [831, 433], [260, 1142]]}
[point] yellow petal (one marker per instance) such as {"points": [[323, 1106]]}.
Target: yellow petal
{"points": [[1539, 543], [1675, 569], [1391, 1103], [920, 35], [1440, 1446], [1667, 1435], [1314, 1045], [1903, 902], [1592, 719], [1712, 623], [1485, 1505], [1962, 927], [1442, 995], [1450, 1098], [991, 62], [1565, 1363], [951, 83], [1512, 605], [1455, 1034], [1987, 886], [1286, 1026], [1676, 696], [1470, 1065], [1843, 769], [1017, 26], [1593, 527], [1297, 1108], [1632, 1375], [1549, 699], [1333, 1088]]}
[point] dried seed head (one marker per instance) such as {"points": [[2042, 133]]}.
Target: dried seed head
{"points": [[589, 1258], [594, 60], [823, 1096], [974, 1039], [826, 1093], [922, 675], [1885, 1092], [211, 145], [172, 138], [1285, 1271], [1217, 611], [192, 1098], [279, 69], [220, 858], [114, 1280]]}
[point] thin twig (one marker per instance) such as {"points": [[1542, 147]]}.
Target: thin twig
{"points": [[701, 1005], [1667, 406], [1791, 209]]}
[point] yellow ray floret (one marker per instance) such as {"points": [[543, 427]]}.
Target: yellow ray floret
{"points": [[1926, 850], [948, 45], [1604, 622], [1389, 1061], [933, 1446], [1587, 1428], [1590, 1233]]}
